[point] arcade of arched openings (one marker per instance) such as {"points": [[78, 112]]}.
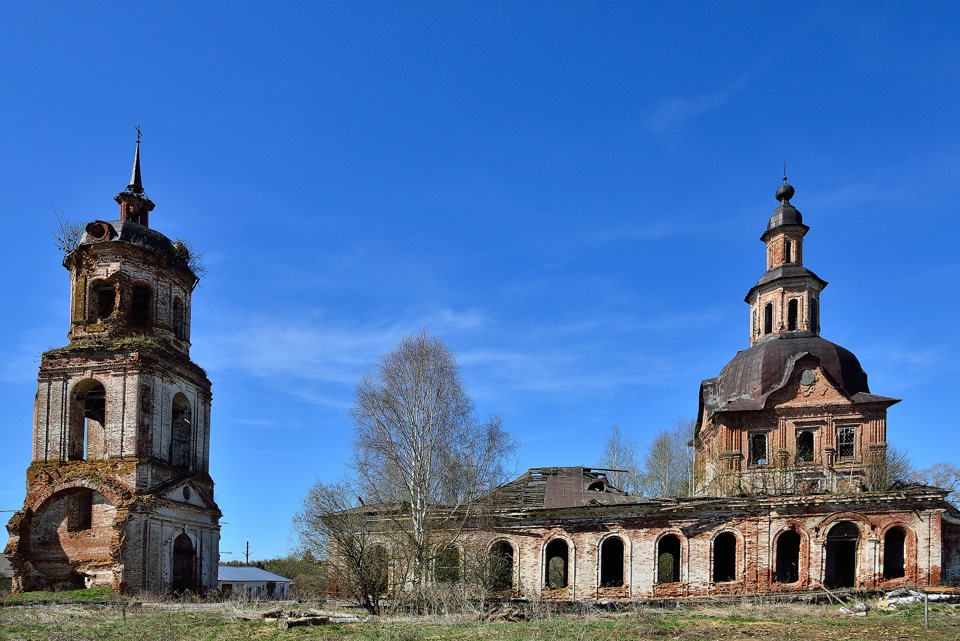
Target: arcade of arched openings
{"points": [[621, 547], [784, 497]]}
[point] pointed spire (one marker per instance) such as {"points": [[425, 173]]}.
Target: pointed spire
{"points": [[136, 182], [135, 206]]}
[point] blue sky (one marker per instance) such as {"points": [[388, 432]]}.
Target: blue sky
{"points": [[570, 194]]}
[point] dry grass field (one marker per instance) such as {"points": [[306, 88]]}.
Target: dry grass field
{"points": [[242, 621]]}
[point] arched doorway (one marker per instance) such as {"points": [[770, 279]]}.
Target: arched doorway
{"points": [[842, 544], [668, 559], [184, 561], [557, 558], [501, 566], [611, 563], [725, 557], [893, 553], [788, 557]]}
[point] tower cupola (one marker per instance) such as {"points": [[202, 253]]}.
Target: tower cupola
{"points": [[786, 298], [135, 206]]}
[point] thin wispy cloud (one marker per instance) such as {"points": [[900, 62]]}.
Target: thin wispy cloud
{"points": [[673, 113], [500, 356]]}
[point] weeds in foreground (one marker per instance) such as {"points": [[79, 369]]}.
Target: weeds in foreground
{"points": [[87, 595], [233, 621]]}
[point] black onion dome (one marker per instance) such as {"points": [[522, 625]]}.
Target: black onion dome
{"points": [[754, 373], [785, 214]]}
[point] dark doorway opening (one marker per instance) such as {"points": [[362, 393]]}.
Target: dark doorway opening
{"points": [[181, 431], [793, 315], [805, 447], [668, 559], [105, 300], [184, 561], [557, 559], [725, 558], [88, 425], [841, 571], [788, 557], [893, 556], [611, 563], [447, 565], [501, 566], [140, 307]]}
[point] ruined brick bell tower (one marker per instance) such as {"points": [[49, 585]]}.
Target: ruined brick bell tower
{"points": [[118, 489]]}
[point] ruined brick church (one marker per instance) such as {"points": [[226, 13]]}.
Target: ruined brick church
{"points": [[118, 490], [790, 446], [790, 492]]}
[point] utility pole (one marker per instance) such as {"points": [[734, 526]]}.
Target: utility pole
{"points": [[248, 553]]}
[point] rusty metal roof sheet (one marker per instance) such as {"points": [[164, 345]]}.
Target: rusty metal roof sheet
{"points": [[560, 487]]}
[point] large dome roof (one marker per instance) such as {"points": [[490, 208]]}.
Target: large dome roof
{"points": [[754, 373]]}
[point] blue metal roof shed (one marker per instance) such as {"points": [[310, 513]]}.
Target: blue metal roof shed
{"points": [[252, 583]]}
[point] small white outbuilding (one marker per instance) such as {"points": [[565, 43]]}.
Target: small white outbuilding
{"points": [[252, 583]]}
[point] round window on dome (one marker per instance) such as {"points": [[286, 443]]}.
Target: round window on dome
{"points": [[807, 377]]}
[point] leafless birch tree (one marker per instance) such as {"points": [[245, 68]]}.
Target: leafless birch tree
{"points": [[668, 463], [620, 457], [419, 446]]}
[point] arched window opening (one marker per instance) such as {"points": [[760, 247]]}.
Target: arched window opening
{"points": [[668, 559], [597, 486], [375, 565], [184, 561], [768, 318], [140, 307], [501, 566], [80, 511], [793, 315], [788, 557], [758, 449], [893, 553], [814, 315], [557, 561], [611, 563], [841, 567], [179, 324], [725, 558], [446, 567], [805, 447], [788, 252], [104, 301], [88, 439], [181, 432]]}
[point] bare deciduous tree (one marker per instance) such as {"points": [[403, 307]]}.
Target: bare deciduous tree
{"points": [[668, 463], [419, 446], [883, 469], [942, 474], [620, 457], [68, 234], [333, 525]]}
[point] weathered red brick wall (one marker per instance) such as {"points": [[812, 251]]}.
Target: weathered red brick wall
{"points": [[756, 533]]}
